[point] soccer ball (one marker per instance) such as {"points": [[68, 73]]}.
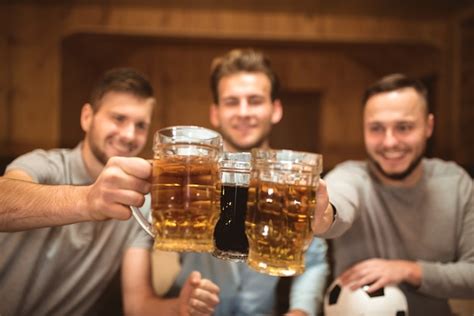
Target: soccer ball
{"points": [[388, 301]]}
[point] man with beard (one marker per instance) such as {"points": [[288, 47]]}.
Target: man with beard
{"points": [[246, 106], [58, 254], [403, 219]]}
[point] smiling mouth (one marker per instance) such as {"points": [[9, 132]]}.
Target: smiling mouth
{"points": [[122, 150], [393, 156], [243, 128]]}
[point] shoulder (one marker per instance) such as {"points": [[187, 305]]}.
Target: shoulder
{"points": [[40, 163], [438, 168], [349, 169], [448, 173], [51, 155]]}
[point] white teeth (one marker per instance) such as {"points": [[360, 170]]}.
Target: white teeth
{"points": [[393, 155]]}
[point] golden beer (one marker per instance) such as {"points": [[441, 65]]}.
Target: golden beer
{"points": [[185, 202], [281, 204], [278, 226]]}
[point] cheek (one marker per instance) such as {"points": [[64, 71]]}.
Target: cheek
{"points": [[105, 127], [371, 141], [264, 117], [417, 142], [225, 116], [141, 138]]}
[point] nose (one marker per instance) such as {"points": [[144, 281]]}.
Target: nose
{"points": [[390, 139], [243, 107], [127, 131]]}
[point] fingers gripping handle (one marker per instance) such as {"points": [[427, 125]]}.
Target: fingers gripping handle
{"points": [[144, 223]]}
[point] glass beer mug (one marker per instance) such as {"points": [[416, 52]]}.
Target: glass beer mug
{"points": [[185, 192], [281, 203], [229, 234]]}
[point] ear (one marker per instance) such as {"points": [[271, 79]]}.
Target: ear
{"points": [[277, 112], [214, 115], [86, 117], [430, 125]]}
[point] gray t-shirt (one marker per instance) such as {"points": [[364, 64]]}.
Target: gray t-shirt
{"points": [[61, 270], [431, 222]]}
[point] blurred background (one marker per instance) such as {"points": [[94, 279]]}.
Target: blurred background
{"points": [[326, 53]]}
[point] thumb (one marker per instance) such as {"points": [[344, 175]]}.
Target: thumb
{"points": [[322, 196], [194, 278], [186, 292]]}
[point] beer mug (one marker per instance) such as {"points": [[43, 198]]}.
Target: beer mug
{"points": [[281, 203], [230, 241], [185, 191]]}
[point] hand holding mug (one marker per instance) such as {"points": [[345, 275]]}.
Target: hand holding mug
{"points": [[124, 181], [185, 189]]}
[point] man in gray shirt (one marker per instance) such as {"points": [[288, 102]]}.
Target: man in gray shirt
{"points": [[58, 253], [400, 218]]}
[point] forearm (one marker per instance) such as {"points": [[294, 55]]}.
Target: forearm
{"points": [[339, 217], [25, 205], [454, 279], [447, 280], [307, 290], [308, 296]]}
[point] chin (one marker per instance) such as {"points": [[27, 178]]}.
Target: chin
{"points": [[391, 166], [394, 169]]}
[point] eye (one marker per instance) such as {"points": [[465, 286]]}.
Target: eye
{"points": [[404, 127], [230, 102], [256, 100], [142, 126], [119, 118], [376, 129]]}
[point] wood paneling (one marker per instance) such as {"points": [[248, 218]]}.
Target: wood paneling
{"points": [[467, 92], [5, 74], [54, 51], [179, 71]]}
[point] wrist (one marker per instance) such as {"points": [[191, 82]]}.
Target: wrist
{"points": [[413, 274], [81, 205]]}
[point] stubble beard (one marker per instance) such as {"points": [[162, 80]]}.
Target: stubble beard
{"points": [[97, 152], [398, 176]]}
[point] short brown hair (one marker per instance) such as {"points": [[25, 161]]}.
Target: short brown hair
{"points": [[395, 82], [242, 60], [121, 80]]}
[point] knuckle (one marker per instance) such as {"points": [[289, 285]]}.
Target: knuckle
{"points": [[113, 161], [136, 199], [140, 199], [109, 175], [193, 303]]}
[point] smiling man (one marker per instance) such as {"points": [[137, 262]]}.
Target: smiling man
{"points": [[396, 127], [245, 106], [58, 252], [404, 219]]}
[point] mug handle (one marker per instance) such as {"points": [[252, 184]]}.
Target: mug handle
{"points": [[144, 223]]}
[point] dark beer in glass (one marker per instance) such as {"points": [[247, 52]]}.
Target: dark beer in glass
{"points": [[230, 241]]}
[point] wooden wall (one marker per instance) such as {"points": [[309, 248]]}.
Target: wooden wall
{"points": [[52, 53], [466, 139]]}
